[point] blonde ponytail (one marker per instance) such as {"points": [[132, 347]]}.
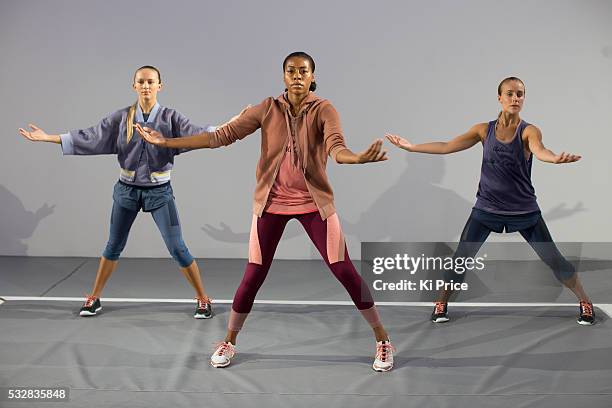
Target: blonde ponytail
{"points": [[130, 121]]}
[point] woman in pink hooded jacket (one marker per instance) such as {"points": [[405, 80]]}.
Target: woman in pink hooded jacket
{"points": [[299, 130]]}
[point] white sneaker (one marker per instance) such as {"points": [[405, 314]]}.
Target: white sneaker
{"points": [[384, 356], [223, 355]]}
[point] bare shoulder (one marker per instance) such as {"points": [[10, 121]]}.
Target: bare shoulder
{"points": [[480, 129], [531, 130]]}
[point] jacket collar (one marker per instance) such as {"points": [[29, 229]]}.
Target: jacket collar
{"points": [[138, 117], [310, 99]]}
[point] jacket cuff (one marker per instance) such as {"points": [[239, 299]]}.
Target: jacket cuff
{"points": [[214, 141], [67, 145], [334, 152]]}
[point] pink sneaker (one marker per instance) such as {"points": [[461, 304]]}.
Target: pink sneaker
{"points": [[223, 354], [384, 356]]}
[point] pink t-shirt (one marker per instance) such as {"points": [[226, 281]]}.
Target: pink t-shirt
{"points": [[289, 194]]}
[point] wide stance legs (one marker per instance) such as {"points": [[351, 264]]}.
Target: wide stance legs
{"points": [[327, 237], [166, 219]]}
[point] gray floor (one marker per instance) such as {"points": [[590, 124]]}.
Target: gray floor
{"points": [[156, 354]]}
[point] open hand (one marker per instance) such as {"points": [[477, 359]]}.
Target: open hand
{"points": [[36, 134], [150, 135], [374, 153], [399, 141], [566, 158]]}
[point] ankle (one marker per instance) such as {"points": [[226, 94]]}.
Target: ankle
{"points": [[230, 339], [381, 335]]}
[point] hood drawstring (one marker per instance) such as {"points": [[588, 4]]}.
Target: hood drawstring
{"points": [[292, 145], [298, 158], [305, 141]]}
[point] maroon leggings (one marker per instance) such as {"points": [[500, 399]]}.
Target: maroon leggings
{"points": [[270, 228]]}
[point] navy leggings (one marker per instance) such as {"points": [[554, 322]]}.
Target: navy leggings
{"points": [[475, 234], [166, 219]]}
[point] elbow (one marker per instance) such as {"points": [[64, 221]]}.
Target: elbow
{"points": [[447, 148], [538, 154]]}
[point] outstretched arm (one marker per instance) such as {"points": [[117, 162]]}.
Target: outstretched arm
{"points": [[534, 141], [459, 143], [241, 125], [199, 141], [335, 146], [374, 153], [97, 139], [36, 134]]}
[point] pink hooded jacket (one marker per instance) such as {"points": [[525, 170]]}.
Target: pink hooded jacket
{"points": [[319, 135]]}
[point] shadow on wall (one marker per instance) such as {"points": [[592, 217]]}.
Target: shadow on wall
{"points": [[416, 208], [17, 223], [224, 233]]}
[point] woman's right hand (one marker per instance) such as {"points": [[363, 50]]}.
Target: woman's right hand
{"points": [[36, 134], [150, 135], [399, 141]]}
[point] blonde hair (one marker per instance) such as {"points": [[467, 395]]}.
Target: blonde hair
{"points": [[130, 121]]}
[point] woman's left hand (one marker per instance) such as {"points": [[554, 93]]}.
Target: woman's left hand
{"points": [[566, 158]]}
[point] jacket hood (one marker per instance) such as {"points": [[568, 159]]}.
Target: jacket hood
{"points": [[311, 99]]}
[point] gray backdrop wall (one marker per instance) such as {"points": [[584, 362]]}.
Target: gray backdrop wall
{"points": [[427, 70]]}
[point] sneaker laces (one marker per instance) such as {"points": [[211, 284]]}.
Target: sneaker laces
{"points": [[89, 300], [224, 347], [203, 301], [383, 350], [586, 308], [440, 307]]}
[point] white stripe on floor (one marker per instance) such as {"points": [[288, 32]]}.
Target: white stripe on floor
{"points": [[607, 308]]}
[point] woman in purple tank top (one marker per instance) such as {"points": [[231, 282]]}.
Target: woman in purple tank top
{"points": [[506, 199]]}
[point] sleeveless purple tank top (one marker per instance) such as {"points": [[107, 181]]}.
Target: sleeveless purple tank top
{"points": [[505, 176]]}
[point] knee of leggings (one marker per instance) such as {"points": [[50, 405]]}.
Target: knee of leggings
{"points": [[347, 276], [113, 250], [250, 284], [181, 254], [564, 272]]}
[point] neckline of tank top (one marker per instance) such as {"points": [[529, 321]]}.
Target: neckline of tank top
{"points": [[513, 137]]}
